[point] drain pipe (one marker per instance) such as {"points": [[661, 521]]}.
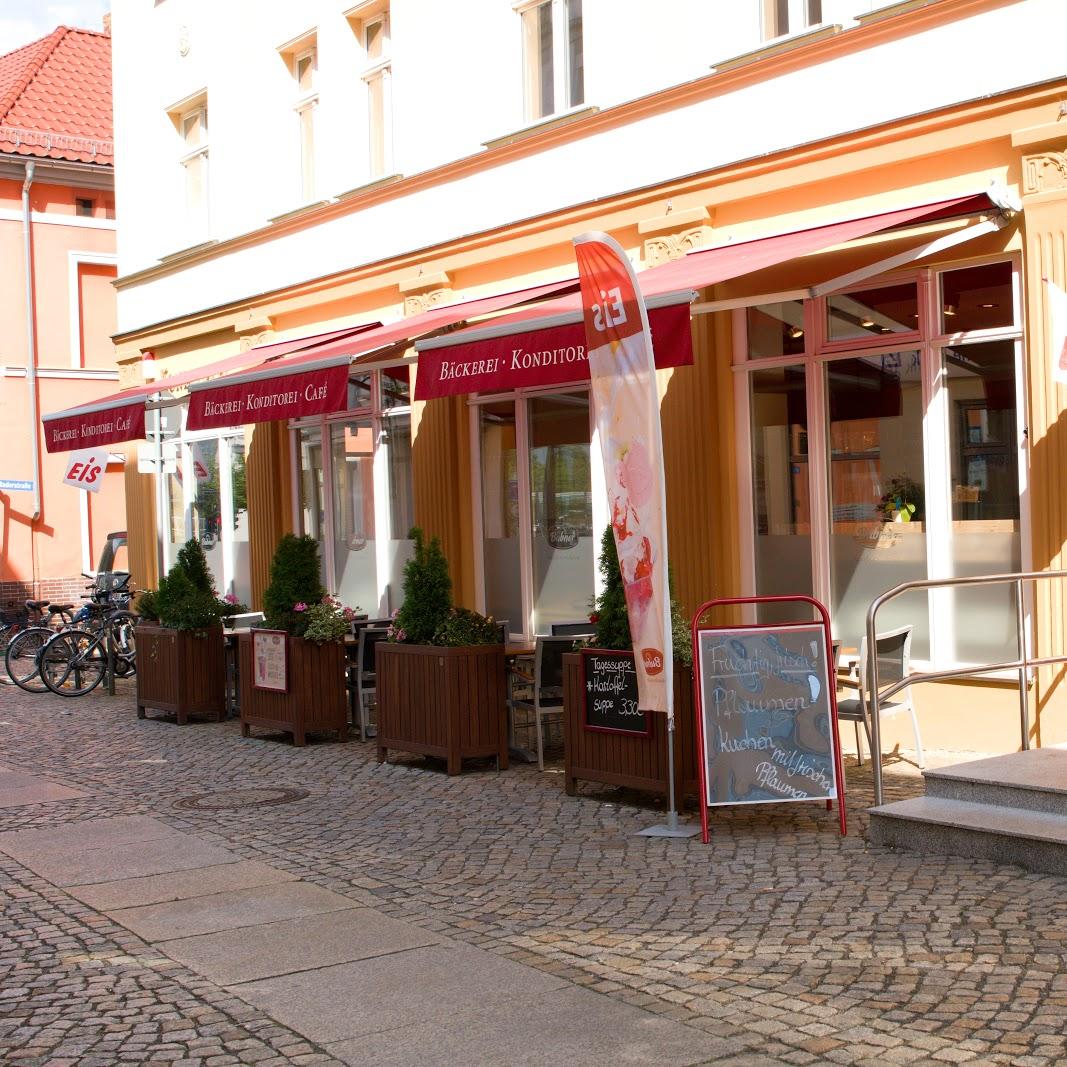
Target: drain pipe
{"points": [[31, 340]]}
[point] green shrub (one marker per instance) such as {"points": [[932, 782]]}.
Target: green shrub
{"points": [[427, 593], [147, 607], [294, 581], [462, 626], [180, 605], [328, 620], [192, 560]]}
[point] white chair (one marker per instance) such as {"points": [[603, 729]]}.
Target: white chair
{"points": [[894, 663], [547, 686]]}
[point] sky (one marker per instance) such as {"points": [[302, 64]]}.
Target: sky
{"points": [[22, 21]]}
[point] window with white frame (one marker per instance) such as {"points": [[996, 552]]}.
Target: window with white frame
{"points": [[539, 517], [377, 73], [192, 128], [886, 444], [205, 496], [305, 67], [353, 490], [552, 57], [782, 17]]}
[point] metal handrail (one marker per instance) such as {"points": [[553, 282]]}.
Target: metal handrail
{"points": [[1022, 663]]}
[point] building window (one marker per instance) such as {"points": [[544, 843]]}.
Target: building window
{"points": [[782, 17], [539, 530], [886, 446], [305, 66], [377, 73], [83, 207], [354, 491], [192, 128], [553, 64]]}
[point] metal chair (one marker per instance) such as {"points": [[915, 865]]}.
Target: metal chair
{"points": [[894, 662], [572, 629], [547, 686], [504, 628], [362, 678]]}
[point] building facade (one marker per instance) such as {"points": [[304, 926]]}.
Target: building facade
{"points": [[57, 304], [857, 203]]}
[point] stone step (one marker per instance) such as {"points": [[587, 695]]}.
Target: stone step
{"points": [[1032, 839], [1034, 781]]}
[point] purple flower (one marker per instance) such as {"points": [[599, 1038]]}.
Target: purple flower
{"points": [[300, 607]]}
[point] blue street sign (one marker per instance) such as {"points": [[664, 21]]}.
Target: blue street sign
{"points": [[15, 485]]}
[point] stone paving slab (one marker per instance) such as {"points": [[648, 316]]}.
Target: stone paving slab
{"points": [[436, 983], [179, 885], [133, 859], [310, 942], [229, 911], [564, 1028], [84, 834], [37, 792]]}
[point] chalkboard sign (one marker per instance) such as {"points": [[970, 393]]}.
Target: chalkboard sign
{"points": [[765, 706], [609, 682]]}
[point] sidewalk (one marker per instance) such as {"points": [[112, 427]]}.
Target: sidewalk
{"points": [[180, 895]]}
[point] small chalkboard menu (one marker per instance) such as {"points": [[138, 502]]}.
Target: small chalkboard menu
{"points": [[765, 707], [609, 685]]}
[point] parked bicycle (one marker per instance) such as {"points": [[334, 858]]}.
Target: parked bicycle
{"points": [[75, 662], [22, 656]]}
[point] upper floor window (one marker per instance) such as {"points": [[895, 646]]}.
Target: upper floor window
{"points": [[553, 65], [377, 71], [305, 66], [781, 17], [190, 119]]}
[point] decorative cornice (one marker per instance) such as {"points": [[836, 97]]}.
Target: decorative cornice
{"points": [[1045, 172], [666, 247], [417, 303]]}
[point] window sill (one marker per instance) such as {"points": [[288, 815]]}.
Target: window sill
{"points": [[560, 118], [303, 209], [187, 251], [366, 187], [779, 46]]}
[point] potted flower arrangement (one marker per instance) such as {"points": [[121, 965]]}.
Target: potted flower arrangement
{"points": [[304, 633], [636, 761], [440, 675], [181, 659]]}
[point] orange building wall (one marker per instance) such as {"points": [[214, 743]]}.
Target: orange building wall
{"points": [[45, 558]]}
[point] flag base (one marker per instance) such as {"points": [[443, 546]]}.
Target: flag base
{"points": [[665, 830]]}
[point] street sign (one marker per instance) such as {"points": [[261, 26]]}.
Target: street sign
{"points": [[15, 485]]}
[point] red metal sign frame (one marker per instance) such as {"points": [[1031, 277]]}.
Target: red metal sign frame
{"points": [[696, 629]]}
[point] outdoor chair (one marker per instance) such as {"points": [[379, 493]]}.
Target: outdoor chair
{"points": [[362, 680], [504, 628], [547, 686], [572, 629], [894, 661]]}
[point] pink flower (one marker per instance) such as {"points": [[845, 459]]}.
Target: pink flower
{"points": [[230, 598], [349, 614], [300, 607]]}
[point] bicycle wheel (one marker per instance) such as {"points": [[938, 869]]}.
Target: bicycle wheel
{"points": [[20, 659], [123, 625], [73, 663]]}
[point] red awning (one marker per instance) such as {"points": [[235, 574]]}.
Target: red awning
{"points": [[482, 358], [260, 395], [114, 418], [495, 359]]}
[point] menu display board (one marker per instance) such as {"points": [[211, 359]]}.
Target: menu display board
{"points": [[270, 660], [609, 686], [765, 701]]}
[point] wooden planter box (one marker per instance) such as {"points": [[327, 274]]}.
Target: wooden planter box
{"points": [[181, 672], [445, 702], [316, 700], [634, 762]]}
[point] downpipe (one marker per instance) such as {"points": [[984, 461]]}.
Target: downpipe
{"points": [[31, 340]]}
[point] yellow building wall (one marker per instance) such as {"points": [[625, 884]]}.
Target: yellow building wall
{"points": [[270, 510]]}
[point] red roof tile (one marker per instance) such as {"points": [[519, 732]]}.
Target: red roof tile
{"points": [[55, 97]]}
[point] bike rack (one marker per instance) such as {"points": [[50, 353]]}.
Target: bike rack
{"points": [[1022, 663]]}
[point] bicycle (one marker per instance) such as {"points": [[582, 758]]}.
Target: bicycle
{"points": [[22, 648], [75, 662], [22, 656]]}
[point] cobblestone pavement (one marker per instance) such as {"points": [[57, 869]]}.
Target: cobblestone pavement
{"points": [[792, 944]]}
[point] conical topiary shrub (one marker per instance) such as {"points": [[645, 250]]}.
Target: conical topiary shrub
{"points": [[609, 614], [295, 584], [192, 560], [427, 593]]}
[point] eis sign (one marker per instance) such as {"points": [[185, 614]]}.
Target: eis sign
{"points": [[86, 468]]}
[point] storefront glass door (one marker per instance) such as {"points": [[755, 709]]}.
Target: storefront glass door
{"points": [[502, 551], [355, 565]]}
